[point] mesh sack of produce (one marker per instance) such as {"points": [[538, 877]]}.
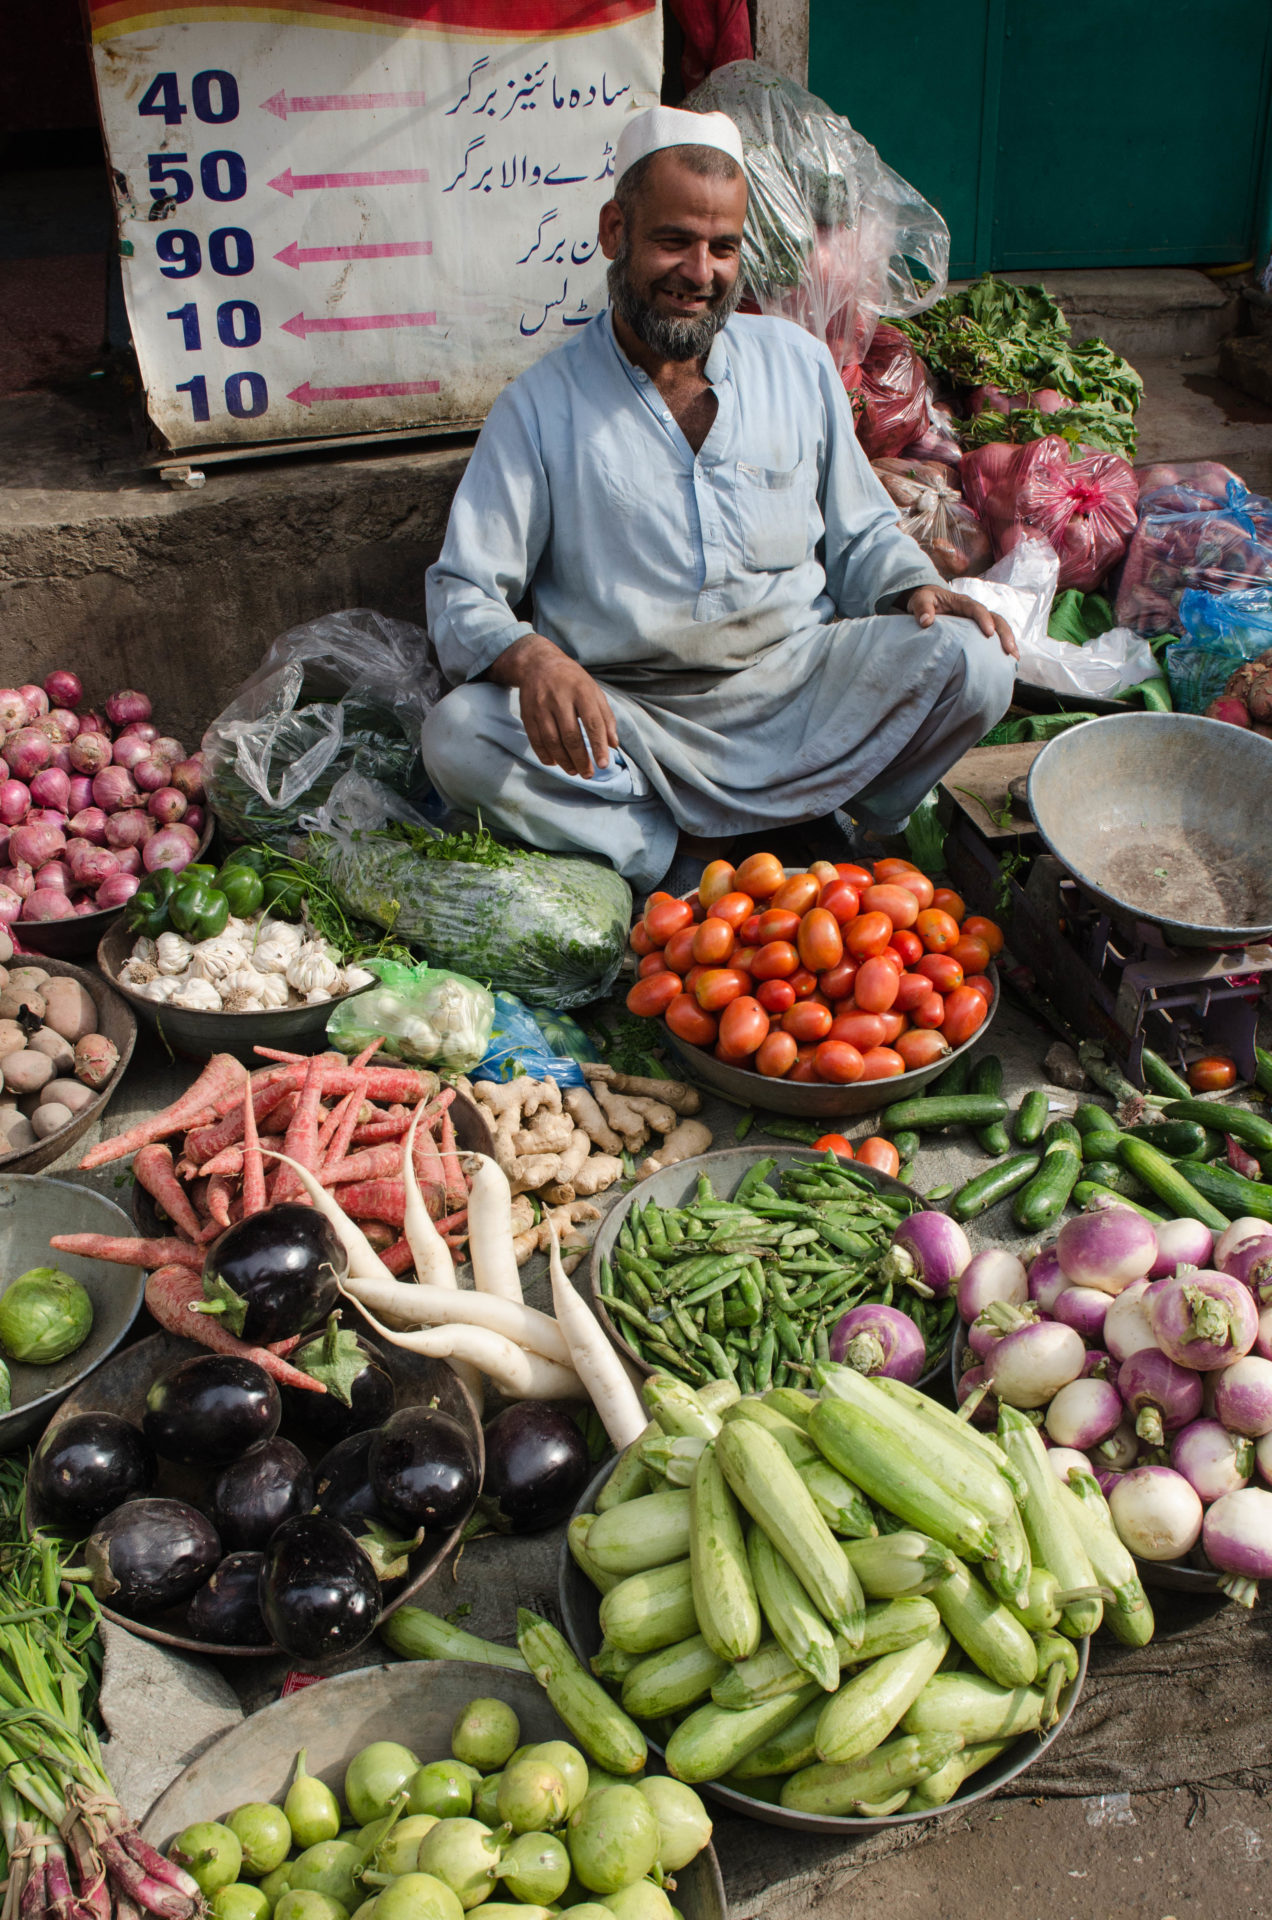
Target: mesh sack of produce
{"points": [[934, 513], [833, 236], [549, 928], [1222, 632], [891, 394], [1199, 544], [346, 693], [1079, 499]]}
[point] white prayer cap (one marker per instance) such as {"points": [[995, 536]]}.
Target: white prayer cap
{"points": [[659, 127]]}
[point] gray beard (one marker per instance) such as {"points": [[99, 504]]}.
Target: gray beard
{"points": [[669, 338]]}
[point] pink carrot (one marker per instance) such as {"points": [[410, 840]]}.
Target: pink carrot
{"points": [[284, 1113], [130, 1253], [222, 1074], [229, 1162], [373, 1163], [375, 1200], [398, 1258], [352, 1106], [392, 1127], [220, 1193], [429, 1171], [153, 1170], [454, 1222], [204, 1143], [456, 1185], [253, 1164], [331, 1120], [301, 1144], [173, 1295]]}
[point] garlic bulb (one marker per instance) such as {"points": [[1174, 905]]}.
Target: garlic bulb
{"points": [[282, 933], [244, 979], [173, 954], [159, 989], [355, 978], [316, 996], [311, 969], [217, 959], [269, 956], [198, 996], [237, 1001], [272, 991], [144, 950], [138, 973]]}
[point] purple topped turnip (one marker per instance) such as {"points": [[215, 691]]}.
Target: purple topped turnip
{"points": [[1250, 1262], [877, 1339], [1212, 1460], [1157, 1513], [929, 1251], [988, 1276], [1127, 1328], [1121, 1449], [1028, 1368], [1237, 1537], [1246, 1228], [1084, 1413], [1046, 1279], [1180, 1243], [1161, 1395], [1062, 1461], [998, 1319], [1202, 1319], [1106, 1250], [1082, 1308], [1243, 1397]]}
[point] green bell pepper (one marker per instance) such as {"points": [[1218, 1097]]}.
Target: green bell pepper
{"points": [[242, 887], [151, 901], [285, 894], [259, 859], [198, 909]]}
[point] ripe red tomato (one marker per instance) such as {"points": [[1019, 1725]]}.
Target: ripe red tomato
{"points": [[777, 1055], [699, 911], [881, 1154], [742, 957], [713, 942], [929, 1012], [639, 941], [893, 958], [824, 870], [653, 996], [860, 1030], [937, 929], [760, 875], [749, 931], [718, 878], [838, 1062], [898, 903], [836, 984], [665, 917], [730, 1059], [972, 954], [907, 944], [733, 907], [744, 1025], [881, 1063], [776, 923], [839, 898], [920, 1048], [804, 983], [693, 976], [868, 935], [912, 990], [678, 952], [834, 1143], [820, 943], [1213, 1073], [965, 1011], [652, 963], [942, 970], [987, 930], [876, 985], [805, 1068], [719, 985], [892, 867], [807, 1021], [982, 983], [775, 996], [949, 902], [857, 877], [916, 883], [894, 1025], [799, 893], [688, 1022], [776, 961]]}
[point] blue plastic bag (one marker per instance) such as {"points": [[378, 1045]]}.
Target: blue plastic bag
{"points": [[1221, 631], [518, 1045]]}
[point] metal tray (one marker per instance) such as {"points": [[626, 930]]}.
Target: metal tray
{"points": [[674, 1185], [579, 1604], [415, 1702], [121, 1384], [115, 1020]]}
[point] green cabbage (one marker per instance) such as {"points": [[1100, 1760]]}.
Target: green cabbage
{"points": [[44, 1316]]}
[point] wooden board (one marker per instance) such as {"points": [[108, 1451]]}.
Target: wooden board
{"points": [[977, 785]]}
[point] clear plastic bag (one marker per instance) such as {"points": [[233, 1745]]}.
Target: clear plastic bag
{"points": [[934, 513], [1082, 501], [1221, 632], [833, 236], [424, 1016], [1186, 541], [346, 693]]}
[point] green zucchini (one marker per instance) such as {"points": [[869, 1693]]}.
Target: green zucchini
{"points": [[613, 1663], [890, 1627], [648, 1532], [969, 1704], [792, 1746], [986, 1189], [1089, 1193], [1031, 1117], [1130, 1618], [762, 1478], [840, 1505], [868, 1706], [1164, 1179], [1088, 1118], [987, 1078], [673, 1679], [1160, 1077], [940, 1787], [631, 1477], [714, 1740], [797, 1627], [1045, 1198], [1177, 1139], [650, 1610], [871, 1785], [969, 1471], [1249, 1128], [985, 1630], [606, 1734], [677, 1410], [951, 1110], [1052, 1538], [1231, 1192], [723, 1593], [576, 1539], [793, 1402], [899, 1566], [866, 1450]]}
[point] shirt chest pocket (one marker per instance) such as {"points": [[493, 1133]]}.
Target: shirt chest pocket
{"points": [[775, 515]]}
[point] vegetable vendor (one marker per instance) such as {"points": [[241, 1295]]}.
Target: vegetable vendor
{"points": [[730, 632]]}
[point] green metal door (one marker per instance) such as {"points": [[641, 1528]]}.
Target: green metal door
{"points": [[1064, 133]]}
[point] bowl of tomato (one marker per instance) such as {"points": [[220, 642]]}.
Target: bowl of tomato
{"points": [[831, 991]]}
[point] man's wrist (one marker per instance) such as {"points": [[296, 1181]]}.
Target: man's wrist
{"points": [[508, 668]]}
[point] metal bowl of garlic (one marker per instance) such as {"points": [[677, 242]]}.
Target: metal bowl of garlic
{"points": [[215, 997]]}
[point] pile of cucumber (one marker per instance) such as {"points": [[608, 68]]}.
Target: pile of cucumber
{"points": [[856, 1603]]}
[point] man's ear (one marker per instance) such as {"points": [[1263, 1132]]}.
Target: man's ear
{"points": [[610, 228]]}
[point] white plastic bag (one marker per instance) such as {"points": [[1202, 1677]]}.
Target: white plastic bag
{"points": [[1021, 586]]}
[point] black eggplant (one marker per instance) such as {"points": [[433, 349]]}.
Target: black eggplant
{"points": [[537, 1465], [253, 1496], [342, 1482], [151, 1554], [275, 1274], [423, 1469], [209, 1410], [318, 1592], [359, 1392], [90, 1464], [226, 1610]]}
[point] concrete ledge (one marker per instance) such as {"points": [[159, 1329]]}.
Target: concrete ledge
{"points": [[1150, 312]]}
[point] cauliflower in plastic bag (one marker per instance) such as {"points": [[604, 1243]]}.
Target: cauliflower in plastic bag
{"points": [[425, 1017]]}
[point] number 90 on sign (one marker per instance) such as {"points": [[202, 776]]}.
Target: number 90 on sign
{"points": [[230, 252]]}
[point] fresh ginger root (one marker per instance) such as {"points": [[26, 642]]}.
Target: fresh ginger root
{"points": [[672, 1093], [690, 1138], [581, 1106]]}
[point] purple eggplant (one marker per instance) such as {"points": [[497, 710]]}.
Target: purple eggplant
{"points": [[537, 1465], [253, 1496], [274, 1274], [87, 1466], [209, 1410], [150, 1554], [423, 1470], [226, 1610], [319, 1593]]}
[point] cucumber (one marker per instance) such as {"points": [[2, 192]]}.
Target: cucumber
{"points": [[987, 1078], [1231, 1192], [1088, 1193], [650, 1610], [869, 1705], [871, 1785], [1159, 1077], [1115, 1179], [1031, 1117], [673, 1679], [793, 1746], [1164, 1179], [985, 1629], [952, 1081], [907, 1143], [1262, 1070], [715, 1740], [1101, 1145], [1045, 1198], [607, 1735], [770, 1489], [952, 1110], [1177, 1139], [969, 1704], [723, 1593], [799, 1630], [1088, 1118], [986, 1189], [643, 1533], [1249, 1128]]}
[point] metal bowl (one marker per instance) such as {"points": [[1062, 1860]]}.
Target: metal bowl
{"points": [[196, 1035], [31, 1207], [72, 939], [674, 1185], [1126, 802], [115, 1021], [121, 1387], [580, 1603], [415, 1702], [816, 1099]]}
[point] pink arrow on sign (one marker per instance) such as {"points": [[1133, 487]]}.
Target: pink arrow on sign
{"points": [[289, 182], [355, 323], [280, 105], [297, 256], [307, 395]]}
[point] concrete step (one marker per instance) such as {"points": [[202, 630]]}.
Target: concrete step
{"points": [[1191, 413], [1143, 312]]}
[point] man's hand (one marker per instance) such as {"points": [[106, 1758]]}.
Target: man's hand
{"points": [[562, 707], [926, 602]]}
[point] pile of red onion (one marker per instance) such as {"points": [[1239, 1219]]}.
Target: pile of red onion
{"points": [[88, 801]]}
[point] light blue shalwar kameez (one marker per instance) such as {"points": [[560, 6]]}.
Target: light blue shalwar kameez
{"points": [[734, 604]]}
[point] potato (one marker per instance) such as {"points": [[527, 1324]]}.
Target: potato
{"points": [[6, 944], [12, 1037], [67, 1093], [50, 1119], [28, 976], [13, 999], [59, 1051], [69, 1009], [16, 1136], [4, 975], [26, 1072]]}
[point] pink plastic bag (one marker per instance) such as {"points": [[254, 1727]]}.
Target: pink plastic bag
{"points": [[934, 513], [891, 396], [1084, 506]]}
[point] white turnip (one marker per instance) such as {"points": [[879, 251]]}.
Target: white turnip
{"points": [[1028, 1368], [988, 1276], [1157, 1513]]}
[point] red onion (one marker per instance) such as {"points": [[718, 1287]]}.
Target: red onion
{"points": [[46, 817], [1106, 1250], [1237, 1537], [19, 880], [195, 818], [171, 847], [129, 859], [10, 906], [167, 806], [140, 730], [131, 829], [27, 752], [4, 842], [55, 874], [62, 760], [89, 823], [79, 792], [90, 752], [83, 906], [1180, 1243], [32, 846], [46, 904], [1083, 1309], [929, 1250], [51, 789], [166, 748], [68, 723], [152, 774], [115, 790], [94, 866], [58, 728], [13, 709], [879, 1340], [1046, 1279], [94, 722], [15, 802], [4, 769], [187, 775], [1202, 1319], [63, 688], [37, 701], [125, 707], [129, 751], [116, 891], [990, 1275], [1161, 1395]]}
